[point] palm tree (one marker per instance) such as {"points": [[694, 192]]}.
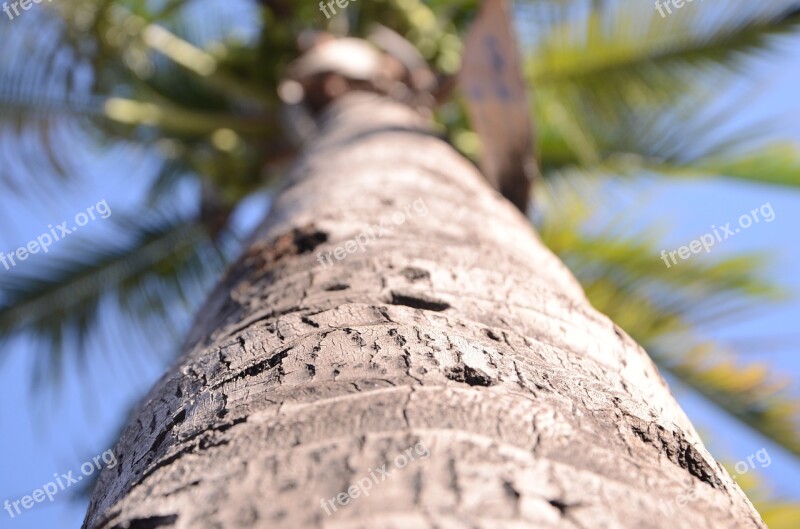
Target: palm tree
{"points": [[621, 99], [453, 342]]}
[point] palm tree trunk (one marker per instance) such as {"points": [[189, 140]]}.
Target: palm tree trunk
{"points": [[398, 349]]}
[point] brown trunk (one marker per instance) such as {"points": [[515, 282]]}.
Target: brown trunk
{"points": [[455, 343]]}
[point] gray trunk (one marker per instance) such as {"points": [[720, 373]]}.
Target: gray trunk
{"points": [[451, 374]]}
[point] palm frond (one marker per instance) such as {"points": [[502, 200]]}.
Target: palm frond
{"points": [[156, 276], [666, 309], [631, 38], [777, 163], [608, 83]]}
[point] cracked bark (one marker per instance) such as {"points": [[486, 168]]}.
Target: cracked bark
{"points": [[457, 329]]}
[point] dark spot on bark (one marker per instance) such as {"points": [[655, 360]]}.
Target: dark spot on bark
{"points": [[398, 338], [312, 369], [224, 359], [509, 489], [560, 505], [289, 485], [209, 442], [262, 255], [227, 426], [418, 301], [308, 238], [415, 274], [469, 375], [491, 335], [261, 366], [160, 438], [335, 287], [151, 522], [356, 337], [512, 494], [309, 321], [223, 407], [384, 313]]}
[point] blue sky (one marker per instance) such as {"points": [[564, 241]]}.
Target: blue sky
{"points": [[51, 431]]}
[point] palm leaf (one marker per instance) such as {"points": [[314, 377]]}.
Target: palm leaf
{"points": [[605, 83], [157, 274], [665, 309]]}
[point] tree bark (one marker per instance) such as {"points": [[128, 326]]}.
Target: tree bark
{"points": [[455, 332]]}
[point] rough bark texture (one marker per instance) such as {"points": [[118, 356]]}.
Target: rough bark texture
{"points": [[457, 330]]}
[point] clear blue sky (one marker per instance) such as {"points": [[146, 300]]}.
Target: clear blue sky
{"points": [[55, 431]]}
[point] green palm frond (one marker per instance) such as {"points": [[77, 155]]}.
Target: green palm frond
{"points": [[140, 93], [607, 83], [158, 274], [632, 39], [665, 309], [777, 163]]}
